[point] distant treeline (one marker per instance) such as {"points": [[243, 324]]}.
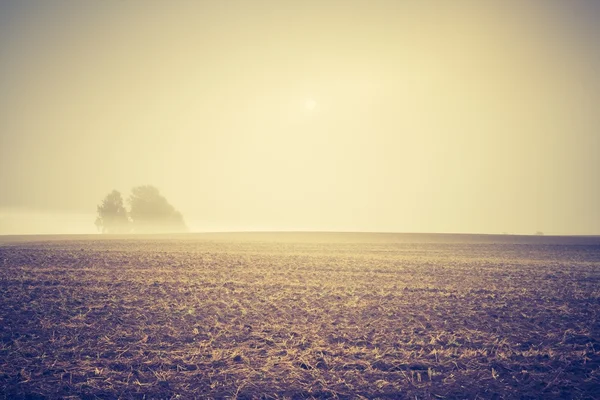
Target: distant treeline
{"points": [[148, 212]]}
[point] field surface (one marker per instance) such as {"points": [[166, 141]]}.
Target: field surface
{"points": [[300, 315]]}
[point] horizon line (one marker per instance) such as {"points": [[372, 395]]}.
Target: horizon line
{"points": [[296, 232]]}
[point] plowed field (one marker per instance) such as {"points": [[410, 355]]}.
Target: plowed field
{"points": [[300, 316]]}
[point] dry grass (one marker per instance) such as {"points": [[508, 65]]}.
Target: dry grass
{"points": [[169, 318]]}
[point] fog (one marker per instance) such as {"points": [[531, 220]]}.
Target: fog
{"points": [[401, 116]]}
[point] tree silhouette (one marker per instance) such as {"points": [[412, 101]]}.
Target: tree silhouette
{"points": [[151, 212], [112, 215]]}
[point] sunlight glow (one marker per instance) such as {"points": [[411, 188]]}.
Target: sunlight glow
{"points": [[310, 104]]}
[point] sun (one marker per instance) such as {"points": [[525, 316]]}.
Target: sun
{"points": [[310, 104]]}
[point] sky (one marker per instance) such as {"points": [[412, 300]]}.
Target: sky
{"points": [[391, 116]]}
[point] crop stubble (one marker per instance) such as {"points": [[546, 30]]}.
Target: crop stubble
{"points": [[309, 319]]}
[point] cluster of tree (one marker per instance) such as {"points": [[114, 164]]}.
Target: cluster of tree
{"points": [[148, 212]]}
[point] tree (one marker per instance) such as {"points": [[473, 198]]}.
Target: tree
{"points": [[112, 215], [151, 212]]}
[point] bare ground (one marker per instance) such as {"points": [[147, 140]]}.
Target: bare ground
{"points": [[300, 316]]}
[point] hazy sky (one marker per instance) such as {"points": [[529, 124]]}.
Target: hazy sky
{"points": [[408, 116]]}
